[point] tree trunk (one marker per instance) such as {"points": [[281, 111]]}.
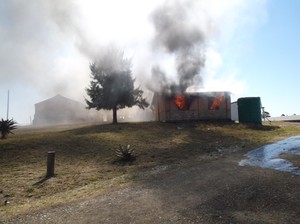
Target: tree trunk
{"points": [[115, 121]]}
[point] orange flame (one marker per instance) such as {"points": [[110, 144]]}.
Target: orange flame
{"points": [[216, 103], [180, 102]]}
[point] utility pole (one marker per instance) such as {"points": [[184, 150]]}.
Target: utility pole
{"points": [[7, 105]]}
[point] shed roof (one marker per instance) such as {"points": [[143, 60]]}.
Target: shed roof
{"points": [[56, 99]]}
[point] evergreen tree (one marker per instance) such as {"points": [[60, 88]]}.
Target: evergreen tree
{"points": [[112, 85]]}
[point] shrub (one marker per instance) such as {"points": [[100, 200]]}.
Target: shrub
{"points": [[6, 127], [125, 154]]}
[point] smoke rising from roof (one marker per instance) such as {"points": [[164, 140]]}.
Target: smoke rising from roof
{"points": [[46, 46], [192, 34], [178, 33], [174, 30]]}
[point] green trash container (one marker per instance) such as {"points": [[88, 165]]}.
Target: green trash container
{"points": [[249, 110]]}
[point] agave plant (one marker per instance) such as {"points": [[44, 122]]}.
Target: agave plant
{"points": [[6, 127], [125, 154]]}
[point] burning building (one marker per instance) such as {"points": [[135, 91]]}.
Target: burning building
{"points": [[179, 36], [192, 106]]}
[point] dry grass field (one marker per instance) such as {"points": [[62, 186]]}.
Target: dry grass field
{"points": [[85, 163]]}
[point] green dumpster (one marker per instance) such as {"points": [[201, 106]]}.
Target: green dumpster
{"points": [[249, 110]]}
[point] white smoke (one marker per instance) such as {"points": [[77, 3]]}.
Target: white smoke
{"points": [[46, 46]]}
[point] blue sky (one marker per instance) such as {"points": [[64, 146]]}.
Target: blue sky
{"points": [[271, 66], [253, 48]]}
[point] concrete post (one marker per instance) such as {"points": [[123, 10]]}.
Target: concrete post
{"points": [[50, 164]]}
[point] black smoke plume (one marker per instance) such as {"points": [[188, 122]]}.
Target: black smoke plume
{"points": [[177, 34]]}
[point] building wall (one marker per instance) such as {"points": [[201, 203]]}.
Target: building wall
{"points": [[59, 110], [199, 108]]}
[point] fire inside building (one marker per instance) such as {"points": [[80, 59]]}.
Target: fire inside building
{"points": [[192, 106]]}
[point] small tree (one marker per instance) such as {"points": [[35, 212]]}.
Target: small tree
{"points": [[112, 85], [6, 127]]}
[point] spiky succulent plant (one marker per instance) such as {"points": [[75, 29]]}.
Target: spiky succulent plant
{"points": [[125, 153], [6, 127]]}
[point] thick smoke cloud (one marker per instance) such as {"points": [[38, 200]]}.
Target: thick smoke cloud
{"points": [[174, 30], [35, 36], [194, 34], [177, 33], [46, 46]]}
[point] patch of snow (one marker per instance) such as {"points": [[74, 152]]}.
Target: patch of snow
{"points": [[268, 156]]}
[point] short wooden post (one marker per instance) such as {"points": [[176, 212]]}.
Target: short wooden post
{"points": [[50, 164]]}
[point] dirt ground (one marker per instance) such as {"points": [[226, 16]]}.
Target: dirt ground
{"points": [[214, 189]]}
